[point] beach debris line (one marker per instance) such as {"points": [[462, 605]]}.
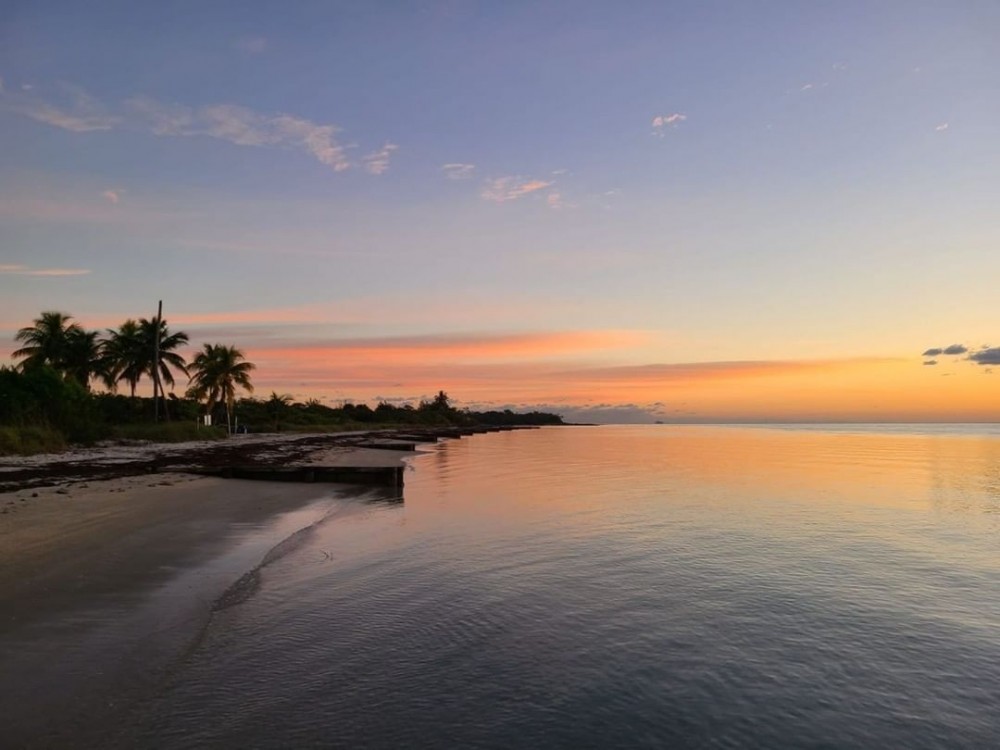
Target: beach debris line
{"points": [[332, 457]]}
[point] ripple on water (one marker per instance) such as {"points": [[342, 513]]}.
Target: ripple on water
{"points": [[688, 587]]}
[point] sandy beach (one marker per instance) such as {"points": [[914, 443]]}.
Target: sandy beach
{"points": [[105, 582]]}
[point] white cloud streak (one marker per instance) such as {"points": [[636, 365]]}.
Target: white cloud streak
{"points": [[458, 171], [19, 270], [242, 127], [79, 112], [74, 109]]}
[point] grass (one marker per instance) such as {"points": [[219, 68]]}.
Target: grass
{"points": [[24, 441], [166, 432]]}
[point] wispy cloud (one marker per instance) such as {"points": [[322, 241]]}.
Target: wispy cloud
{"points": [[75, 110], [809, 87], [514, 360], [662, 123], [708, 371], [458, 170], [242, 127], [482, 346], [19, 270], [503, 189], [112, 196], [942, 126], [378, 162], [512, 310]]}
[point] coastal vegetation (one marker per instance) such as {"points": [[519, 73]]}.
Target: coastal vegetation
{"points": [[217, 371], [65, 390]]}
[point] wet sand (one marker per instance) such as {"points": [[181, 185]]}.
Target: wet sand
{"points": [[65, 547], [104, 584]]}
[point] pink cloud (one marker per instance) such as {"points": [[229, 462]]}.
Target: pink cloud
{"points": [[504, 189], [454, 347], [662, 122], [19, 270], [378, 162]]}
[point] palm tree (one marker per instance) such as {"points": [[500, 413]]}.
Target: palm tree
{"points": [[126, 355], [216, 372], [46, 340], [277, 407], [83, 356], [168, 342], [129, 353]]}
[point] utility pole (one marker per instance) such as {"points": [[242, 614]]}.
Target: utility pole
{"points": [[156, 364]]}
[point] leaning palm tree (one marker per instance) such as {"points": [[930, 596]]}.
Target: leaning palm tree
{"points": [[216, 372], [167, 356], [45, 341]]}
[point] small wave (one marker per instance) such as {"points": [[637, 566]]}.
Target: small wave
{"points": [[249, 583]]}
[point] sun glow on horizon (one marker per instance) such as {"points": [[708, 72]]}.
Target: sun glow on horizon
{"points": [[651, 212]]}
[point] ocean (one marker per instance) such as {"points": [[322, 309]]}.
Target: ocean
{"points": [[661, 586]]}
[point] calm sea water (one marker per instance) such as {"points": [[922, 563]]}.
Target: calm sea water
{"points": [[655, 586]]}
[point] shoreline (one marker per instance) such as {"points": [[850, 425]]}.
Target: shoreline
{"points": [[114, 559], [375, 448], [109, 582]]}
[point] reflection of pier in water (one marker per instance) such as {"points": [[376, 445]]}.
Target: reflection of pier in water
{"points": [[389, 476]]}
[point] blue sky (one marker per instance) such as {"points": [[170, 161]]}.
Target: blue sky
{"points": [[715, 182]]}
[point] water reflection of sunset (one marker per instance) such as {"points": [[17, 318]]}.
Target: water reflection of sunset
{"points": [[739, 467]]}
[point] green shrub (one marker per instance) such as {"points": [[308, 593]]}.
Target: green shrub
{"points": [[32, 439]]}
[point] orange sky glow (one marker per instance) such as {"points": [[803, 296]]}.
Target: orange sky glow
{"points": [[649, 212], [596, 370]]}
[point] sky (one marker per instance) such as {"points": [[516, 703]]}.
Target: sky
{"points": [[675, 211]]}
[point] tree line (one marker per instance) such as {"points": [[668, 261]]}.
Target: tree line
{"points": [[50, 397], [136, 349]]}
